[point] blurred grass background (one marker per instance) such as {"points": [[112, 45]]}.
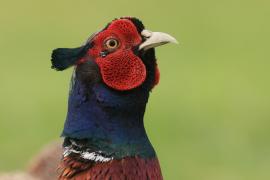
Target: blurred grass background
{"points": [[208, 119]]}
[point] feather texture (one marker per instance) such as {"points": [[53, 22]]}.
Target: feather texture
{"points": [[63, 58], [128, 168]]}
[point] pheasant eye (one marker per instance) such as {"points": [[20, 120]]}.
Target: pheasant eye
{"points": [[111, 44]]}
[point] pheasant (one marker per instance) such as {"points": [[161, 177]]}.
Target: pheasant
{"points": [[114, 72]]}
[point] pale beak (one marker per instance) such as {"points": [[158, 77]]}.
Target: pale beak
{"points": [[154, 39]]}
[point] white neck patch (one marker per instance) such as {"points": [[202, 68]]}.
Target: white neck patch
{"points": [[93, 156]]}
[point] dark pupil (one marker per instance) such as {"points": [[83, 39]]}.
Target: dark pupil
{"points": [[112, 43]]}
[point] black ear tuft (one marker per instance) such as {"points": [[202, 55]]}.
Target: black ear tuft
{"points": [[63, 58], [138, 23]]}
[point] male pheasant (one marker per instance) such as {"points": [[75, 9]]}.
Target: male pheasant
{"points": [[114, 71]]}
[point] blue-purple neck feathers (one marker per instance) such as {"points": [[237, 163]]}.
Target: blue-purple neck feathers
{"points": [[110, 121]]}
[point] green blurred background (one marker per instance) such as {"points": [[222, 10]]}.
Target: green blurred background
{"points": [[209, 118]]}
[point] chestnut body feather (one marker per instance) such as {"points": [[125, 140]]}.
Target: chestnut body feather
{"points": [[130, 168]]}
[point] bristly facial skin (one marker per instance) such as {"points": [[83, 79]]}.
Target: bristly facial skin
{"points": [[104, 132]]}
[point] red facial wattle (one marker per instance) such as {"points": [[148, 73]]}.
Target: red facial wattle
{"points": [[121, 69], [157, 76]]}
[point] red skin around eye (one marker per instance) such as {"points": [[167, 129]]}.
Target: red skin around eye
{"points": [[121, 69], [127, 31]]}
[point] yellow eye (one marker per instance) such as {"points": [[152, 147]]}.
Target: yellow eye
{"points": [[111, 44]]}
